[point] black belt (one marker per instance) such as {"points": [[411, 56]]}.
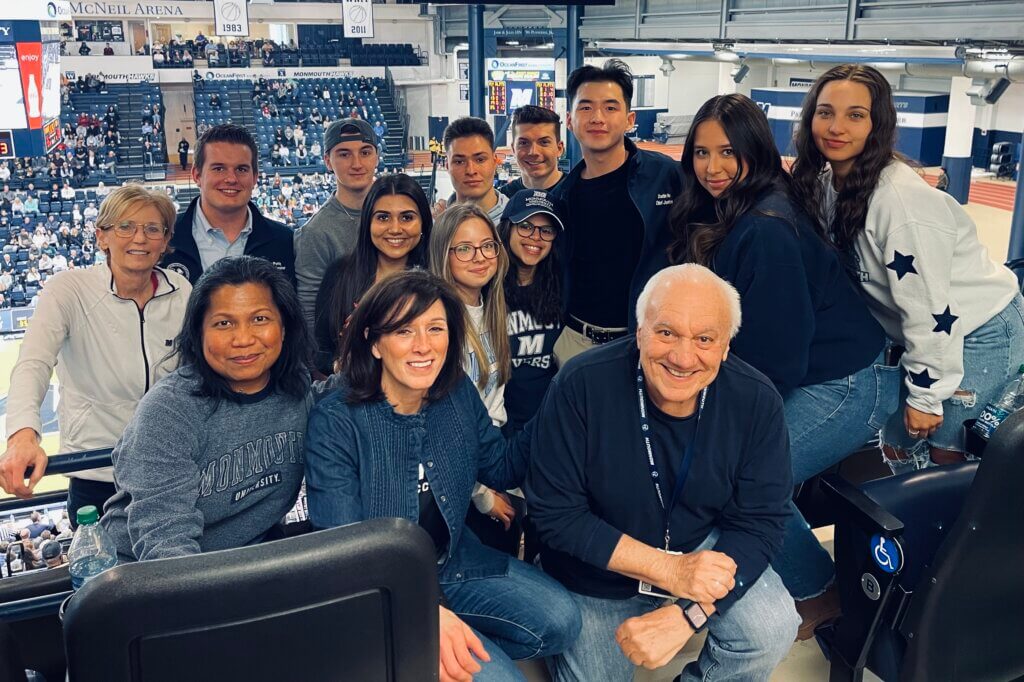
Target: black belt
{"points": [[595, 334]]}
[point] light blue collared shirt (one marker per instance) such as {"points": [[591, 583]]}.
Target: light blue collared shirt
{"points": [[211, 242]]}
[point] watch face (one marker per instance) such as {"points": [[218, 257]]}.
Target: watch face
{"points": [[695, 614]]}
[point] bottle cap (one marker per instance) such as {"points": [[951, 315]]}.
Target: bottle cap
{"points": [[87, 515]]}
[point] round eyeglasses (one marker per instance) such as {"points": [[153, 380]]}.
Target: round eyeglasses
{"points": [[467, 252], [128, 229], [526, 230]]}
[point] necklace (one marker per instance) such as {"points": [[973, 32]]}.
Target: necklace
{"points": [[348, 213]]}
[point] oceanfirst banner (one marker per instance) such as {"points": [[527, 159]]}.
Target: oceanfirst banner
{"points": [[230, 18]]}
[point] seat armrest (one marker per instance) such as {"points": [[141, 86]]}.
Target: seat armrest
{"points": [[854, 505]]}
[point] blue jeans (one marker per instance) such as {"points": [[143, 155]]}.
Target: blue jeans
{"points": [[827, 422], [745, 643], [522, 614], [992, 354]]}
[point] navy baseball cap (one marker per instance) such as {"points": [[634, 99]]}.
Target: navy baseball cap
{"points": [[529, 202]]}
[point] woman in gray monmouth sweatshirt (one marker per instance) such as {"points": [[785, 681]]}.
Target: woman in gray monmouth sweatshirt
{"points": [[213, 456]]}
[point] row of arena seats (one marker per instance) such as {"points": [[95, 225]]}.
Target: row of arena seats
{"points": [[236, 100], [385, 54], [131, 101], [926, 568]]}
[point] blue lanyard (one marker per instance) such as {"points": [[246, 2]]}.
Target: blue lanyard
{"points": [[684, 466]]}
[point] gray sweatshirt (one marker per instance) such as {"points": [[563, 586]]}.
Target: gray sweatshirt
{"points": [[193, 479], [329, 235]]}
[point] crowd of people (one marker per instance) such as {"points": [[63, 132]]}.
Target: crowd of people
{"points": [[628, 364], [35, 545]]}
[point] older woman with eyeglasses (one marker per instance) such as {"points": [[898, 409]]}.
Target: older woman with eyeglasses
{"points": [[108, 330]]}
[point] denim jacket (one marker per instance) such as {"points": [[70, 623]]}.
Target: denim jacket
{"points": [[362, 462]]}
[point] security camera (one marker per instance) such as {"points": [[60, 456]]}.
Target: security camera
{"points": [[667, 66]]}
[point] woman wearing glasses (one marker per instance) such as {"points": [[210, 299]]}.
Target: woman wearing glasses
{"points": [[532, 285], [466, 252], [108, 330]]}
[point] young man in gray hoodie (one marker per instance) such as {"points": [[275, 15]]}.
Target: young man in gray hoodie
{"points": [[350, 152]]}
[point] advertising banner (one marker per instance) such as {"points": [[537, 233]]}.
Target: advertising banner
{"points": [[30, 62]]}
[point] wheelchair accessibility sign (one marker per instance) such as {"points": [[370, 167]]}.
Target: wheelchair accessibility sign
{"points": [[887, 553]]}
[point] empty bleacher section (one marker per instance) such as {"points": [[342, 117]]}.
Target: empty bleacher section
{"points": [[385, 54], [273, 109]]}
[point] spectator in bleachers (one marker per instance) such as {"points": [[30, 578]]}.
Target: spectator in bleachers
{"points": [[84, 50], [301, 156], [215, 101], [88, 326], [52, 554], [222, 221], [351, 155], [31, 204], [102, 190], [109, 163], [158, 58], [67, 192], [198, 83], [469, 142], [108, 50], [285, 154]]}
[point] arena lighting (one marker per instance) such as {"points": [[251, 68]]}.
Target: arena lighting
{"points": [[740, 72], [667, 66]]}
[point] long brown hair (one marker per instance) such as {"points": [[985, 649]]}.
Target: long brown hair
{"points": [[699, 222], [847, 220]]}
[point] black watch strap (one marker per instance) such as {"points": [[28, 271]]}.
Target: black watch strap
{"points": [[693, 605]]}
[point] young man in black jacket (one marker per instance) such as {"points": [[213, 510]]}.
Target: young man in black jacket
{"points": [[666, 463], [617, 200], [222, 221]]}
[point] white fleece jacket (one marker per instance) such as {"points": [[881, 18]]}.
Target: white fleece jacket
{"points": [[929, 281]]}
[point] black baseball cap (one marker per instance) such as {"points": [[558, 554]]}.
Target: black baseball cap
{"points": [[529, 202], [348, 130]]}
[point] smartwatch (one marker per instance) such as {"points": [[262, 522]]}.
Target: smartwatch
{"points": [[694, 615]]}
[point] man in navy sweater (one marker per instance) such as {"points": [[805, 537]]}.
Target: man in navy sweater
{"points": [[664, 442]]}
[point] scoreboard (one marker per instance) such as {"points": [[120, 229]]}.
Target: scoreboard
{"points": [[30, 76], [513, 83]]}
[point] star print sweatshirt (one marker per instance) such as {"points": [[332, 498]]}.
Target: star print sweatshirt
{"points": [[928, 280]]}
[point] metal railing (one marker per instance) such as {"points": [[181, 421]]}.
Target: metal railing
{"points": [[65, 463]]}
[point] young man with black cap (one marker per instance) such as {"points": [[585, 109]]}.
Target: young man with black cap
{"points": [[222, 221], [350, 151], [618, 200]]}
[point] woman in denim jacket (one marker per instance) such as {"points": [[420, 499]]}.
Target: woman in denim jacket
{"points": [[406, 436]]}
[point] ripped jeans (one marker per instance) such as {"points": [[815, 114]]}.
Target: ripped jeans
{"points": [[992, 354]]}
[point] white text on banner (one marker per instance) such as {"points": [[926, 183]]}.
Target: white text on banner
{"points": [[230, 18]]}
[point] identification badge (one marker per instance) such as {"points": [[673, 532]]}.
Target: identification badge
{"points": [[650, 590]]}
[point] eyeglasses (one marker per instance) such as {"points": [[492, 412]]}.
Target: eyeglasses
{"points": [[467, 252], [128, 229], [526, 230]]}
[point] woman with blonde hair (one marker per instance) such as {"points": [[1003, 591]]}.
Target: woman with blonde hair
{"points": [[467, 253], [108, 330]]}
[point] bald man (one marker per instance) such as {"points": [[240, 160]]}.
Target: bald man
{"points": [[666, 472]]}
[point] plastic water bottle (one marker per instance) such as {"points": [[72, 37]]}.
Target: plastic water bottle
{"points": [[92, 551], [994, 413]]}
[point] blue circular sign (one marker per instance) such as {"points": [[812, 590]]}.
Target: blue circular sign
{"points": [[887, 553]]}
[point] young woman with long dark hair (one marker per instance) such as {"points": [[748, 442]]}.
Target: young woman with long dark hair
{"points": [[804, 324], [394, 232], [916, 255], [915, 251], [529, 226]]}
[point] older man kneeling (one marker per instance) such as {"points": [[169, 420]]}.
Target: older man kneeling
{"points": [[664, 442]]}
